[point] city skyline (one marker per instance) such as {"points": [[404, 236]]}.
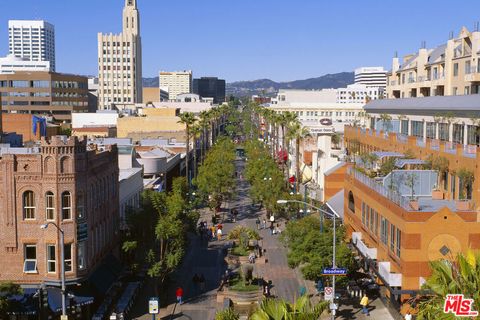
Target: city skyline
{"points": [[247, 40]]}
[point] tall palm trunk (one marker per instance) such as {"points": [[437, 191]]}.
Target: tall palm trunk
{"points": [[187, 157], [297, 160], [194, 157]]}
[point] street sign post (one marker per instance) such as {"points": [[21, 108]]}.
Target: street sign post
{"points": [[153, 306], [334, 272], [328, 291]]}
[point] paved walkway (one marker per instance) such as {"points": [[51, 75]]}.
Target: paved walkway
{"points": [[208, 259]]}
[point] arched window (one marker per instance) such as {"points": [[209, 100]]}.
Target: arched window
{"points": [[66, 205], [49, 165], [351, 202], [49, 206], [28, 205], [65, 165]]}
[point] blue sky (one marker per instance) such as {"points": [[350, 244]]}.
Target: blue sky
{"points": [[248, 39]]}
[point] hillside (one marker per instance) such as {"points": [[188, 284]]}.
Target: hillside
{"points": [[270, 87]]}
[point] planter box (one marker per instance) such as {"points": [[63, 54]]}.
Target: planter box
{"points": [[241, 297], [437, 195], [462, 205], [414, 205]]}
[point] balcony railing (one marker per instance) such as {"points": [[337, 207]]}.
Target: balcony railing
{"points": [[412, 80], [393, 279], [438, 76], [424, 78], [380, 189]]}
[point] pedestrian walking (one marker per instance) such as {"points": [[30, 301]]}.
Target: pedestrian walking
{"points": [[271, 228], [257, 222], [364, 304], [264, 225], [219, 234], [179, 294], [202, 282], [213, 232]]}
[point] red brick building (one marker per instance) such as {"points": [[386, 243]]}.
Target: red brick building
{"points": [[66, 182]]}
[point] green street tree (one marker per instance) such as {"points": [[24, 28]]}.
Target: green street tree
{"points": [[312, 249], [175, 219], [216, 177], [264, 175]]}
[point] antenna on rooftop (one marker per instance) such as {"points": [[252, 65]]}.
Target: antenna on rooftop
{"points": [[395, 54], [450, 35], [475, 27], [423, 44]]}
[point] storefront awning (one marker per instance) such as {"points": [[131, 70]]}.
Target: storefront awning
{"points": [[55, 300], [335, 204]]}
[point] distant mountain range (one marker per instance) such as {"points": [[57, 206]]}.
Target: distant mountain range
{"points": [[270, 87]]}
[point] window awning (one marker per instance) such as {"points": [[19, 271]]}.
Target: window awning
{"points": [[335, 204], [55, 299]]}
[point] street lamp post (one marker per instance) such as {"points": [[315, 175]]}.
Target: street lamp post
{"points": [[334, 263], [62, 266]]}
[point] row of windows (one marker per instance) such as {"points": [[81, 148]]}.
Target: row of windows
{"points": [[69, 84], [458, 131], [30, 206], [115, 44], [119, 68], [70, 103], [30, 258], [42, 84], [25, 94], [124, 60], [390, 235]]}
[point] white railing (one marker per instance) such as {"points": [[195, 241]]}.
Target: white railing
{"points": [[362, 247], [393, 279], [387, 193]]}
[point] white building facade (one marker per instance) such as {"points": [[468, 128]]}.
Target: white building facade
{"points": [[11, 64], [120, 62], [175, 83], [32, 40], [371, 77]]}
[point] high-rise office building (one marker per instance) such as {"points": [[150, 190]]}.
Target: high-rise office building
{"points": [[33, 40], [120, 62], [371, 77], [210, 87], [175, 83]]}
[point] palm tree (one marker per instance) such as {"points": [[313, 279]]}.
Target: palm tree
{"points": [[204, 124], [274, 309], [196, 133], [188, 119], [451, 277], [297, 132]]}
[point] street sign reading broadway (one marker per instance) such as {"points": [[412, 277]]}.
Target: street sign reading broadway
{"points": [[334, 272]]}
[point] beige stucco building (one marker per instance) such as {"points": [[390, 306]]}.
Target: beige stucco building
{"points": [[176, 83], [153, 122], [452, 68], [120, 62]]}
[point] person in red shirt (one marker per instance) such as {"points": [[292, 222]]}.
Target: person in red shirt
{"points": [[179, 294]]}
